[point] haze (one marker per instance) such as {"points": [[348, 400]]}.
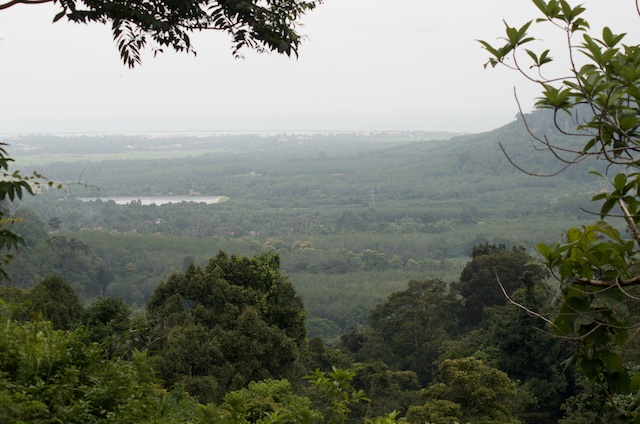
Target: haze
{"points": [[367, 65]]}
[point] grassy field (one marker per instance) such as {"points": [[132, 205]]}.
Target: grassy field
{"points": [[36, 160]]}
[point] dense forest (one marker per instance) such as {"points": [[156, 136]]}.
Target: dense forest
{"points": [[341, 210], [365, 277], [359, 283]]}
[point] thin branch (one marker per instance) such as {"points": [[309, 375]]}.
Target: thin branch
{"points": [[630, 221], [524, 171], [14, 2], [601, 283], [546, 143], [548, 146], [521, 306], [626, 293], [547, 320]]}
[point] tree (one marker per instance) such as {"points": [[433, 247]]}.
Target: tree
{"points": [[338, 393], [57, 301], [386, 389], [478, 278], [262, 25], [267, 401], [520, 345], [54, 223], [597, 267], [411, 326], [235, 321], [467, 390], [107, 322], [49, 375]]}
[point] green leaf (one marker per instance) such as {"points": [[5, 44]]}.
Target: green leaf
{"points": [[590, 367], [610, 39], [621, 335], [540, 4], [610, 360], [544, 250], [544, 58], [517, 37], [619, 382], [607, 206], [579, 25], [635, 383], [600, 336], [619, 182]]}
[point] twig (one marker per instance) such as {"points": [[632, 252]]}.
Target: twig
{"points": [[521, 306], [14, 2]]}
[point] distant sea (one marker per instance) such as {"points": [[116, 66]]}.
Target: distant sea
{"points": [[155, 200]]}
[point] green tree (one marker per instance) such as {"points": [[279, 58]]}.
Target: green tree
{"points": [[337, 393], [478, 285], [54, 223], [387, 390], [49, 375], [597, 266], [520, 345], [261, 25], [107, 322], [411, 326], [590, 405], [57, 301], [235, 321], [267, 401], [467, 391]]}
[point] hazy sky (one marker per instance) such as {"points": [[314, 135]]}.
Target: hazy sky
{"points": [[367, 65]]}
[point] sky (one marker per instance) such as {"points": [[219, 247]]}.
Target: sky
{"points": [[366, 65]]}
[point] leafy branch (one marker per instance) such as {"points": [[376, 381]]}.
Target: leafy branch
{"points": [[597, 266], [261, 25]]}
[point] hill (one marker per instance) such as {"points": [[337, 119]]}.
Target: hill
{"points": [[353, 216]]}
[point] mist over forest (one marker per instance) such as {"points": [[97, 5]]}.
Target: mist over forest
{"points": [[346, 209], [378, 249], [380, 276]]}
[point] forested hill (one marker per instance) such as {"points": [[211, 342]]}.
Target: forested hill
{"points": [[347, 168], [342, 210]]}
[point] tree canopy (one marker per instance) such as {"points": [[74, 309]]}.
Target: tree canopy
{"points": [[467, 391], [262, 25], [478, 279], [234, 321]]}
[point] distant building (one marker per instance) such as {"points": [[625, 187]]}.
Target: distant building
{"points": [[194, 193]]}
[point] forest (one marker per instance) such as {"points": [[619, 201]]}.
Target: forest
{"points": [[335, 261], [341, 210], [365, 277]]}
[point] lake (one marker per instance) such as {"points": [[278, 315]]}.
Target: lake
{"points": [[155, 200]]}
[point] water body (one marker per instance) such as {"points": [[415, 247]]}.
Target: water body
{"points": [[155, 200]]}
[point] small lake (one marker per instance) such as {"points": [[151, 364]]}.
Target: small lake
{"points": [[155, 200]]}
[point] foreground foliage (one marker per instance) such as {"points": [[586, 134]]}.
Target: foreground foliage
{"points": [[49, 375], [597, 267], [213, 331]]}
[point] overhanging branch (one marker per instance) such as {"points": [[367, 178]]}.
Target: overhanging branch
{"points": [[14, 2]]}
